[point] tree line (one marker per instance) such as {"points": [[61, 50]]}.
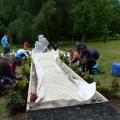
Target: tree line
{"points": [[59, 19]]}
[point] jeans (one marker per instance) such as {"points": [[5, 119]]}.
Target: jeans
{"points": [[6, 50]]}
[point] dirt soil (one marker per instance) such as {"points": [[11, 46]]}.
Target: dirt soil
{"points": [[20, 116], [114, 101]]}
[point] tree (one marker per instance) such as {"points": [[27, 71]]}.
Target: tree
{"points": [[21, 27], [114, 24], [65, 15], [82, 18], [92, 17], [46, 21], [59, 19]]}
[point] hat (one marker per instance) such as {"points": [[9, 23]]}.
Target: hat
{"points": [[7, 56]]}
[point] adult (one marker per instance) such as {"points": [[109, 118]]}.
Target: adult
{"points": [[21, 54], [7, 78], [13, 64], [74, 57], [91, 56], [26, 45], [5, 43]]}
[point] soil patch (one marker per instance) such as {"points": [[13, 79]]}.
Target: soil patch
{"points": [[115, 52], [114, 101], [20, 116]]}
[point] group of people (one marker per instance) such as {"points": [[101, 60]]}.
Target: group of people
{"points": [[6, 44], [85, 57], [9, 62]]}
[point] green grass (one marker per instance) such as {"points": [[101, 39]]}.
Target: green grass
{"points": [[109, 53], [4, 113]]}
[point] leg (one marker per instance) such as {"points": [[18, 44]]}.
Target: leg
{"points": [[10, 83], [90, 65], [6, 50]]}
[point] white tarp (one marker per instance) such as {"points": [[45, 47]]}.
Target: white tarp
{"points": [[55, 88], [41, 45]]}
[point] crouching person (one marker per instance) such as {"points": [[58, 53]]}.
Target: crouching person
{"points": [[74, 57], [92, 56], [7, 78], [22, 55]]}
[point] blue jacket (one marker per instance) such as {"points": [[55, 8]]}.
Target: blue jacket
{"points": [[20, 54], [4, 42]]}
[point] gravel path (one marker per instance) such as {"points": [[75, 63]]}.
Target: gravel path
{"points": [[100, 111]]}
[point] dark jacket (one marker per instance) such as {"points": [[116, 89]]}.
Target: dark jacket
{"points": [[5, 69], [92, 54]]}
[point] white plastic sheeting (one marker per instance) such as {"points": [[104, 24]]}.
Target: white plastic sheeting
{"points": [[86, 91], [41, 45], [55, 88]]}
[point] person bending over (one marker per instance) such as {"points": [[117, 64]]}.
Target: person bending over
{"points": [[74, 57], [22, 54], [92, 56], [7, 78], [89, 56]]}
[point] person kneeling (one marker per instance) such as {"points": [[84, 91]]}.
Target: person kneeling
{"points": [[7, 78], [74, 57]]}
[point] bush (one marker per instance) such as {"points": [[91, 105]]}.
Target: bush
{"points": [[88, 77], [103, 88], [74, 66], [115, 87], [26, 69], [16, 103], [63, 58], [21, 85]]}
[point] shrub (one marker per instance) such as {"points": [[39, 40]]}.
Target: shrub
{"points": [[16, 103], [115, 87], [103, 87], [74, 66], [63, 58], [22, 84], [88, 77], [26, 69]]}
